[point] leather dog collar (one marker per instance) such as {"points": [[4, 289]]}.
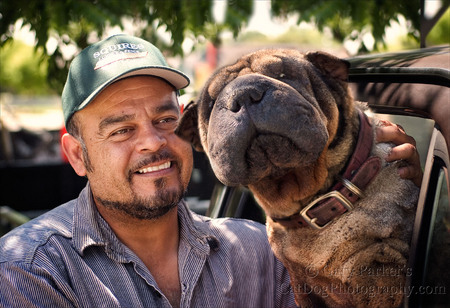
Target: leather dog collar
{"points": [[360, 171]]}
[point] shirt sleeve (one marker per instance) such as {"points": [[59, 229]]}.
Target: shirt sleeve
{"points": [[25, 285], [284, 294]]}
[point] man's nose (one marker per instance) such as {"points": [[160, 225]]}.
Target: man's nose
{"points": [[150, 139]]}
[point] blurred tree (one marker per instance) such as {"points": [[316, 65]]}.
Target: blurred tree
{"points": [[440, 34], [22, 71], [80, 22], [353, 19], [428, 21], [76, 23]]}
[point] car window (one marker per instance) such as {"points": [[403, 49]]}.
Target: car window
{"points": [[428, 280], [435, 290]]}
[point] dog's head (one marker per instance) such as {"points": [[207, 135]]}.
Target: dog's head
{"points": [[271, 117]]}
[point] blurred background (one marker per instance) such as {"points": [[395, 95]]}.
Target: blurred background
{"points": [[39, 38]]}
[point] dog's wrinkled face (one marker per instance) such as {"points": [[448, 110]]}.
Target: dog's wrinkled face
{"points": [[270, 113], [257, 145]]}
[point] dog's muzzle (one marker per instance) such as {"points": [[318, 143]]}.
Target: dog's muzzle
{"points": [[246, 141]]}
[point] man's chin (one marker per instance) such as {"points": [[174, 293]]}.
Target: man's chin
{"points": [[147, 208], [145, 213]]}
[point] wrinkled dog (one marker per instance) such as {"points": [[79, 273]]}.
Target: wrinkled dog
{"points": [[284, 124]]}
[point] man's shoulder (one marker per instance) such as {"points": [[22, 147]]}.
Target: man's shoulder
{"points": [[21, 243]]}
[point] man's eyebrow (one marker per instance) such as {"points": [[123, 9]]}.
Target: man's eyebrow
{"points": [[115, 119], [169, 106]]}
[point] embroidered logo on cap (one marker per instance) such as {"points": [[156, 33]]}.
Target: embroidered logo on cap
{"points": [[118, 52]]}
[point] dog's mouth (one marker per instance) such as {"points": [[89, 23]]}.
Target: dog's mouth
{"points": [[264, 159]]}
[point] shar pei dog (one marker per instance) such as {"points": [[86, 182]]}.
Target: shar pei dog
{"points": [[284, 124]]}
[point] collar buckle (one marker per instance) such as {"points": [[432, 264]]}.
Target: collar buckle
{"points": [[332, 194]]}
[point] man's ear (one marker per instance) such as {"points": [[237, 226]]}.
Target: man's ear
{"points": [[74, 152], [188, 127], [329, 64]]}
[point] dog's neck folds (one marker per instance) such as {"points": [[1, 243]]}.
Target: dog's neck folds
{"points": [[357, 175]]}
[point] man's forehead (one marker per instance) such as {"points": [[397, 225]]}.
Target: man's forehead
{"points": [[140, 84], [149, 92]]}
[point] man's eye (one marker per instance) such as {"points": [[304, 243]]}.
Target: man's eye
{"points": [[167, 123], [167, 120], [121, 131]]}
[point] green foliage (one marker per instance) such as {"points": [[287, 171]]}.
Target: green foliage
{"points": [[70, 22], [22, 70], [352, 19], [237, 12], [440, 34], [80, 22], [76, 22]]}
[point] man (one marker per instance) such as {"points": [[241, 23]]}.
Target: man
{"points": [[129, 239]]}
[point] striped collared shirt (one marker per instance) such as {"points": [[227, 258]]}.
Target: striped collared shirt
{"points": [[69, 257]]}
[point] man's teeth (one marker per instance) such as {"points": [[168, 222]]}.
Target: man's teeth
{"points": [[155, 168]]}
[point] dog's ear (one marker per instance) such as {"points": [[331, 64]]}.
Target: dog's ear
{"points": [[187, 128], [329, 64]]}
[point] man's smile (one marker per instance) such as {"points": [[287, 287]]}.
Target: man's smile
{"points": [[163, 166]]}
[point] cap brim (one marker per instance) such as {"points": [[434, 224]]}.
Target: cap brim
{"points": [[176, 78]]}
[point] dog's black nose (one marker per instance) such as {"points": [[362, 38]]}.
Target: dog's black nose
{"points": [[243, 96]]}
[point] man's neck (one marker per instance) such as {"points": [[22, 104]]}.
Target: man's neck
{"points": [[161, 234]]}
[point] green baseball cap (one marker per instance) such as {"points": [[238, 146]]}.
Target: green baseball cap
{"points": [[117, 57]]}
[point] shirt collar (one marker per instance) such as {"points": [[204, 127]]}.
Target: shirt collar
{"points": [[88, 225], [194, 229], [90, 229]]}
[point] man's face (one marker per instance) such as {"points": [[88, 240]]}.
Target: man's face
{"points": [[136, 162]]}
